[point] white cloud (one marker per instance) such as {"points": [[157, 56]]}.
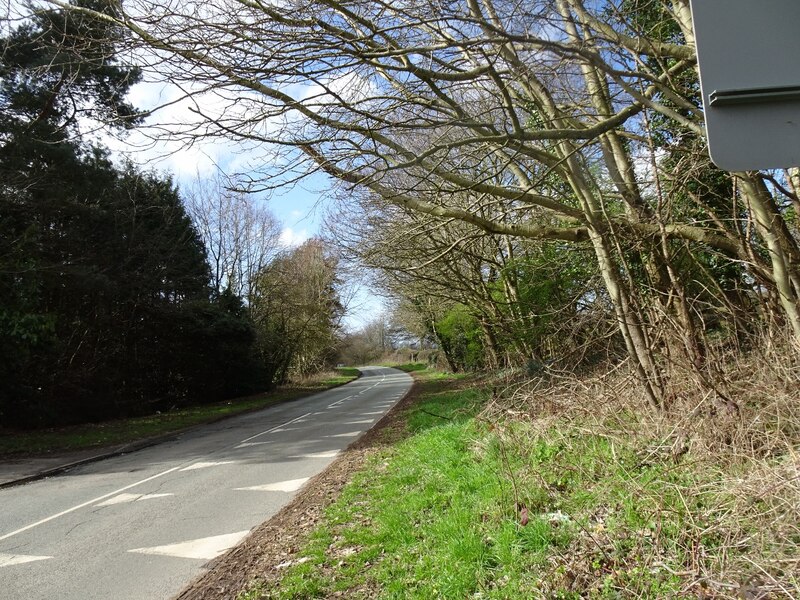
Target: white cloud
{"points": [[162, 142], [290, 238]]}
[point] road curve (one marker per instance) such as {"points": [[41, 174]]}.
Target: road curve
{"points": [[141, 526]]}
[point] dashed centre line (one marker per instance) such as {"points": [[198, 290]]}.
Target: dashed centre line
{"points": [[246, 444], [206, 465], [252, 437]]}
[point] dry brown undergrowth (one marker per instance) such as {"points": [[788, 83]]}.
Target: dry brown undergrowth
{"points": [[735, 437]]}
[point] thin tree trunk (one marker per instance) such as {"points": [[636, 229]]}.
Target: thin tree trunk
{"points": [[765, 220], [629, 324]]}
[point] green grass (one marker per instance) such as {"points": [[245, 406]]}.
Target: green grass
{"points": [[344, 374], [427, 518], [440, 515], [409, 367], [122, 431]]}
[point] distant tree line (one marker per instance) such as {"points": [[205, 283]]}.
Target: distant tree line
{"points": [[109, 305]]}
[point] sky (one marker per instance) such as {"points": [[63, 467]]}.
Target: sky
{"points": [[300, 207]]}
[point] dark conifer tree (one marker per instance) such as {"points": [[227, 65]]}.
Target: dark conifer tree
{"points": [[105, 304]]}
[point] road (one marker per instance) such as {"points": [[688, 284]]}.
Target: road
{"points": [[141, 526]]}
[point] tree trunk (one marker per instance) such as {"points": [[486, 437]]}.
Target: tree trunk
{"points": [[636, 340], [765, 218]]}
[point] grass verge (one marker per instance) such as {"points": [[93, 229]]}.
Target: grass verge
{"points": [[409, 367], [485, 500], [122, 431]]}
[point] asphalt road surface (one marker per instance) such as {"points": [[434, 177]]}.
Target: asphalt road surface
{"points": [[143, 525]]}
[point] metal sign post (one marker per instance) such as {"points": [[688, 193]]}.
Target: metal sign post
{"points": [[749, 57]]}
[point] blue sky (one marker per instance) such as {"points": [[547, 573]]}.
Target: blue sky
{"points": [[300, 207]]}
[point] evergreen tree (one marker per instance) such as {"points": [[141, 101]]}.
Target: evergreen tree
{"points": [[105, 302]]}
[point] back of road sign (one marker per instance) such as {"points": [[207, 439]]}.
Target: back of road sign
{"points": [[749, 56]]}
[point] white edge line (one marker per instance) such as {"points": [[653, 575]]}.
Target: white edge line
{"points": [[132, 485], [74, 508]]}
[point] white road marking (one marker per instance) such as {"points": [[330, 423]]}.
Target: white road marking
{"points": [[173, 469], [252, 437], [92, 501], [344, 435], [291, 485], [206, 465], [6, 560], [376, 412], [246, 444], [152, 496], [359, 422], [338, 402], [326, 454], [205, 548], [122, 498]]}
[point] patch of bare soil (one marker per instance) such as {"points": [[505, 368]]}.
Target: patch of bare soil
{"points": [[274, 544]]}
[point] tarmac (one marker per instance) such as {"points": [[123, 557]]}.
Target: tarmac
{"points": [[18, 471]]}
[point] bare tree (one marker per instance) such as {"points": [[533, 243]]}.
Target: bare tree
{"points": [[540, 110], [524, 296], [369, 343], [241, 236]]}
